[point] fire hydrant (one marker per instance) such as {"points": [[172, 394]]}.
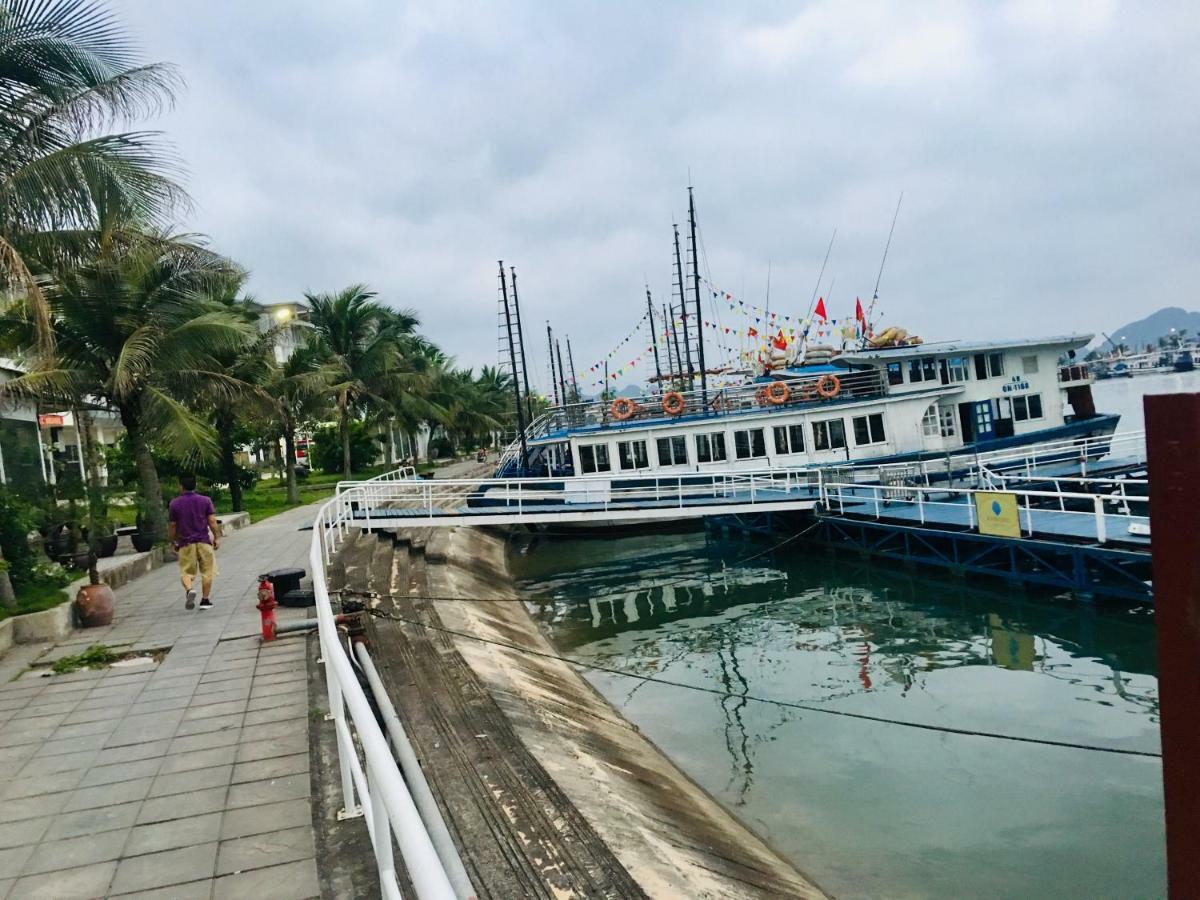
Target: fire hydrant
{"points": [[266, 606]]}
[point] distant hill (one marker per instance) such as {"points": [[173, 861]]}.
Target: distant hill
{"points": [[1137, 335]]}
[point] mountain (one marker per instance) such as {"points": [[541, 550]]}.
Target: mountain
{"points": [[1136, 335]]}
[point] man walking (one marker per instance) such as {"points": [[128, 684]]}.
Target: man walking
{"points": [[191, 518]]}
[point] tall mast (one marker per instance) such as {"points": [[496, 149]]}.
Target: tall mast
{"points": [[571, 363], [550, 350], [513, 359], [687, 346], [696, 293], [653, 338], [675, 338], [562, 378], [521, 344]]}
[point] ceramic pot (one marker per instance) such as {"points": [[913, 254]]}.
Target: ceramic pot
{"points": [[94, 605], [107, 545], [142, 541]]}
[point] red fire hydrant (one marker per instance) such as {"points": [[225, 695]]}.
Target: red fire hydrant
{"points": [[266, 606]]}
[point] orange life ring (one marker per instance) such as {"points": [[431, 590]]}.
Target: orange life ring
{"points": [[622, 408], [778, 393], [673, 403], [829, 386]]}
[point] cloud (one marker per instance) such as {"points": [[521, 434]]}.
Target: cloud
{"points": [[1045, 152]]}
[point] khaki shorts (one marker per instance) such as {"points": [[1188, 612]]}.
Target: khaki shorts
{"points": [[193, 556]]}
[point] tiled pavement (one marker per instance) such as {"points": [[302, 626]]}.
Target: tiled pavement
{"points": [[186, 778]]}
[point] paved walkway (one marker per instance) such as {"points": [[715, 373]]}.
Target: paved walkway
{"points": [[187, 778]]}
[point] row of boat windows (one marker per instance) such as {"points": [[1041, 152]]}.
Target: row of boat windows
{"points": [[750, 443], [954, 369]]}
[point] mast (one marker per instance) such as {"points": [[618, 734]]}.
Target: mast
{"points": [[571, 363], [687, 346], [653, 338], [521, 344], [512, 358], [696, 293], [550, 347], [562, 379], [678, 358]]}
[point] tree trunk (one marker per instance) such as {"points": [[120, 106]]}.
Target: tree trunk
{"points": [[149, 485], [344, 425], [8, 597], [391, 443], [228, 464], [85, 430], [289, 448]]}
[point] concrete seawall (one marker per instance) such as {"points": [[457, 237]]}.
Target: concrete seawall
{"points": [[671, 836]]}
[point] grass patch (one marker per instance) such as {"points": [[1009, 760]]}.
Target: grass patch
{"points": [[96, 656], [36, 597]]}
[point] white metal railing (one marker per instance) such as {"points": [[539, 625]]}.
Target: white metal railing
{"points": [[372, 785], [876, 499], [404, 473]]}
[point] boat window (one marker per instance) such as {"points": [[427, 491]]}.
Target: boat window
{"points": [[829, 435], [895, 373], [749, 444], [789, 439], [868, 429], [594, 458], [672, 451], [710, 447], [1027, 407], [924, 369], [1029, 365], [955, 369], [989, 365], [929, 422], [632, 455], [948, 421]]}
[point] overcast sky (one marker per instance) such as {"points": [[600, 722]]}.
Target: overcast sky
{"points": [[1047, 152]]}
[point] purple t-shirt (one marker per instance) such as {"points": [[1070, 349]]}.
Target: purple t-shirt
{"points": [[190, 511]]}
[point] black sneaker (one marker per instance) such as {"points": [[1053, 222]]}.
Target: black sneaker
{"points": [[189, 599], [205, 603]]}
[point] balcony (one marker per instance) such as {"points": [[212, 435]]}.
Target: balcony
{"points": [[1070, 375]]}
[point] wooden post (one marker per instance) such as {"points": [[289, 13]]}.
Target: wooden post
{"points": [[1173, 451]]}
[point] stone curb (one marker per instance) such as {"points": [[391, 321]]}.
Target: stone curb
{"points": [[55, 623]]}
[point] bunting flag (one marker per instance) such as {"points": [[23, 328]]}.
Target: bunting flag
{"points": [[820, 310]]}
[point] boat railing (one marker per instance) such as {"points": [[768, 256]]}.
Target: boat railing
{"points": [[878, 500], [801, 391], [372, 785]]}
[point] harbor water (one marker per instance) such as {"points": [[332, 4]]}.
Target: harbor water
{"points": [[740, 658]]}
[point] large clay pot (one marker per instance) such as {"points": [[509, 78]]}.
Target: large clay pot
{"points": [[142, 541], [107, 545], [94, 605]]}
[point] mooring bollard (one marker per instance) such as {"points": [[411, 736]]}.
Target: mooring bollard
{"points": [[266, 606]]}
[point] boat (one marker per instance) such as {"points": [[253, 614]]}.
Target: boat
{"points": [[866, 405], [1184, 362]]}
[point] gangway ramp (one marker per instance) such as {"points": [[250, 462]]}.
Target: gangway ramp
{"points": [[415, 503]]}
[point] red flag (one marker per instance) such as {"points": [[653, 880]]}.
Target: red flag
{"points": [[751, 332], [780, 342], [858, 312], [820, 310]]}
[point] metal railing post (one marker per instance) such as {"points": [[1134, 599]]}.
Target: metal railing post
{"points": [[1101, 524]]}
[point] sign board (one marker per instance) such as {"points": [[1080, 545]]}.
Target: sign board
{"points": [[51, 420], [997, 513]]}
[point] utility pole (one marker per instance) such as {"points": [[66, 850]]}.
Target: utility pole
{"points": [[521, 344], [696, 291], [512, 356], [687, 345], [550, 347], [653, 338]]}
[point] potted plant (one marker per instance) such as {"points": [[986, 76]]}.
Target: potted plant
{"points": [[101, 537], [95, 602], [143, 538]]}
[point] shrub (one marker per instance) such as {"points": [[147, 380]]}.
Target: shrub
{"points": [[16, 521], [325, 448]]}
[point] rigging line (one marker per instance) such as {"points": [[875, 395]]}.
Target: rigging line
{"points": [[888, 245], [816, 287], [785, 704]]}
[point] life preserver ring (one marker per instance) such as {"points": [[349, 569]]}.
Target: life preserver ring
{"points": [[673, 403], [623, 408], [829, 386], [778, 393]]}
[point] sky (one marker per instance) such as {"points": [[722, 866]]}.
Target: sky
{"points": [[1046, 152]]}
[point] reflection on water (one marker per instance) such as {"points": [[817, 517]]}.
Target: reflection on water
{"points": [[872, 809]]}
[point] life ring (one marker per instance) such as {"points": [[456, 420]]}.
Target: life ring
{"points": [[673, 403], [623, 408], [829, 386], [778, 393]]}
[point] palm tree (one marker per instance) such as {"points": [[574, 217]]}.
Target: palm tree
{"points": [[68, 73], [300, 387], [134, 329], [362, 344]]}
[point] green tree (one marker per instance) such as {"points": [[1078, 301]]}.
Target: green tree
{"points": [[300, 387], [362, 344], [69, 73]]}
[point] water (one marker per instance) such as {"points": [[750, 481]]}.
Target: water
{"points": [[1124, 395], [870, 809]]}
